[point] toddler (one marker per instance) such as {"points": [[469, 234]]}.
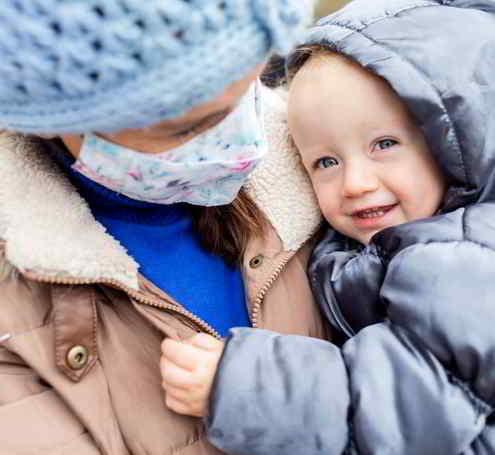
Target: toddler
{"points": [[371, 169], [392, 109]]}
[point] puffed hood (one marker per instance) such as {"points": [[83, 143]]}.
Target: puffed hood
{"points": [[439, 56]]}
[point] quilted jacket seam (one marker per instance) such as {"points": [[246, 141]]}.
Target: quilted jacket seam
{"points": [[386, 15], [466, 231], [479, 404], [351, 446]]}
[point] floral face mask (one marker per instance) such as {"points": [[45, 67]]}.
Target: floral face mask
{"points": [[207, 170]]}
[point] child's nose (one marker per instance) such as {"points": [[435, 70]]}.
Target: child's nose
{"points": [[359, 179]]}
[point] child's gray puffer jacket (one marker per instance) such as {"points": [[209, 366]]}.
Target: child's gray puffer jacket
{"points": [[417, 374]]}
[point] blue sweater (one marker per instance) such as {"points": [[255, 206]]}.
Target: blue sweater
{"points": [[160, 238]]}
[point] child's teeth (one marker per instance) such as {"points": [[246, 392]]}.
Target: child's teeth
{"points": [[371, 213]]}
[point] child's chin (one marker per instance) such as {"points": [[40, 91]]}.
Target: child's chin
{"points": [[365, 239]]}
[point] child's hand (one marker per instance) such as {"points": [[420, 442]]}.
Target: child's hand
{"points": [[188, 369]]}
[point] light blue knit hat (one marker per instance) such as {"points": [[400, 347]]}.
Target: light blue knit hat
{"points": [[73, 66]]}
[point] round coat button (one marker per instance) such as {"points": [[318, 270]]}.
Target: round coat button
{"points": [[77, 357], [256, 261]]}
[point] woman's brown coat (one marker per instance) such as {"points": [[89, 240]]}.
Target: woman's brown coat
{"points": [[80, 329]]}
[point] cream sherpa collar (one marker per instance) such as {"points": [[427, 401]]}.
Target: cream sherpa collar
{"points": [[48, 228]]}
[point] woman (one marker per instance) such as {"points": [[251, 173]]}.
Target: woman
{"points": [[129, 128]]}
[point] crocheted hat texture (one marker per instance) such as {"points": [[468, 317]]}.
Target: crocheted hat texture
{"points": [[74, 66]]}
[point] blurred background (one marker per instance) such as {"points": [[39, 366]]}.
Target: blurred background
{"points": [[328, 6]]}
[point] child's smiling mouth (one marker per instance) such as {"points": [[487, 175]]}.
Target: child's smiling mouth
{"points": [[372, 216], [373, 212]]}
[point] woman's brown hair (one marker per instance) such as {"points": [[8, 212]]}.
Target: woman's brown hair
{"points": [[225, 230]]}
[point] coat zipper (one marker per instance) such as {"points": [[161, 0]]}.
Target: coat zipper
{"points": [[195, 319], [261, 294], [164, 306]]}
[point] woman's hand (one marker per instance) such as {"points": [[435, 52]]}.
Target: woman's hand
{"points": [[188, 368]]}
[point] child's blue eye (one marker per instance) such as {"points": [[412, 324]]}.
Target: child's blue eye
{"points": [[386, 143], [325, 162]]}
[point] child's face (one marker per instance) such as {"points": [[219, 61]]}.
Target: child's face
{"points": [[366, 157]]}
